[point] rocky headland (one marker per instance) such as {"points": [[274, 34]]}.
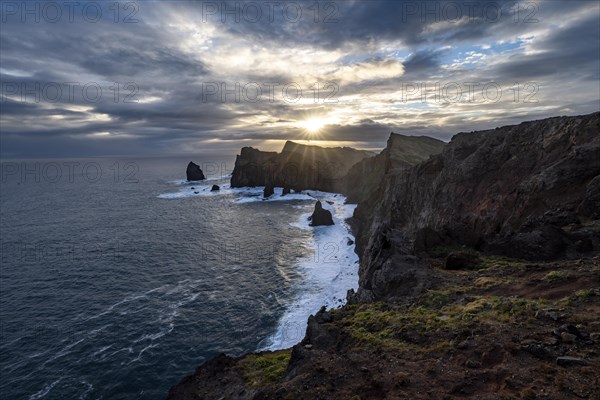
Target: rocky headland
{"points": [[298, 167], [479, 278]]}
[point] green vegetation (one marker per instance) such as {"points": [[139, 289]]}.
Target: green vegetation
{"points": [[424, 327], [555, 276], [585, 293], [487, 282], [262, 369], [501, 262]]}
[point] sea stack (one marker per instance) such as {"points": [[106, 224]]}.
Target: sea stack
{"points": [[194, 173], [320, 216], [268, 192], [215, 188]]}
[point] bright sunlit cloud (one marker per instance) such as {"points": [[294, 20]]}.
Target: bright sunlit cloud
{"points": [[313, 125]]}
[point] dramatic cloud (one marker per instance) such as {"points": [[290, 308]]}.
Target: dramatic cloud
{"points": [[89, 78]]}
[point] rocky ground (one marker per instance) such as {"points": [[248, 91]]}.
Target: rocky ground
{"points": [[499, 329]]}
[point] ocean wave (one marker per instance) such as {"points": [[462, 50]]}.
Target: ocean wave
{"points": [[328, 273], [241, 195], [44, 391]]}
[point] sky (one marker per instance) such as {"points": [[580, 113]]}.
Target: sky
{"points": [[94, 78]]}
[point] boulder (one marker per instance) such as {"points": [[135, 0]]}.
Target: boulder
{"points": [[194, 173], [286, 190], [462, 260], [215, 188], [320, 216], [268, 191]]}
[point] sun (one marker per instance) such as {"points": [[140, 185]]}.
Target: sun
{"points": [[313, 125]]}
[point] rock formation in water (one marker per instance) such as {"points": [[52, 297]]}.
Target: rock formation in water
{"points": [[478, 278], [297, 167], [320, 216], [215, 188], [194, 173], [268, 191]]}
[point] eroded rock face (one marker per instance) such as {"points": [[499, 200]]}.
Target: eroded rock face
{"points": [[194, 173], [297, 167], [401, 152], [320, 216], [525, 191], [268, 191]]}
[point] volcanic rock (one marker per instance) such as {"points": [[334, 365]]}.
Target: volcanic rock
{"points": [[269, 190], [320, 216], [194, 173], [298, 166]]}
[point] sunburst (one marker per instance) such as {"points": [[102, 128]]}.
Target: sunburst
{"points": [[314, 125]]}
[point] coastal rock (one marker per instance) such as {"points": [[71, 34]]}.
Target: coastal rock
{"points": [[499, 191], [194, 173], [286, 190], [297, 167], [401, 152], [215, 188], [320, 216], [268, 191], [506, 191]]}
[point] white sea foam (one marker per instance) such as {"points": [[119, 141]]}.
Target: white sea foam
{"points": [[328, 273], [192, 183], [241, 195]]}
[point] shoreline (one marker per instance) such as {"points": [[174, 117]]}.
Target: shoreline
{"points": [[330, 268]]}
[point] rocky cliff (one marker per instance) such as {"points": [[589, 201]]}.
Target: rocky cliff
{"points": [[401, 152], [527, 191], [297, 167], [518, 320]]}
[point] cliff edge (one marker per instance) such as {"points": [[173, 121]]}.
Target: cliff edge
{"points": [[479, 278]]}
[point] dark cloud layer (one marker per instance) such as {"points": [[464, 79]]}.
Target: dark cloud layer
{"points": [[177, 52]]}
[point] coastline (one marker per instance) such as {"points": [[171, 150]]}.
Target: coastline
{"points": [[329, 272], [329, 266]]}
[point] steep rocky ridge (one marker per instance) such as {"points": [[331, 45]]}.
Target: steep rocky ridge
{"points": [[297, 167], [527, 191], [400, 153]]}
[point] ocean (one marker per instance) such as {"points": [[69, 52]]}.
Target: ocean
{"points": [[118, 277]]}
